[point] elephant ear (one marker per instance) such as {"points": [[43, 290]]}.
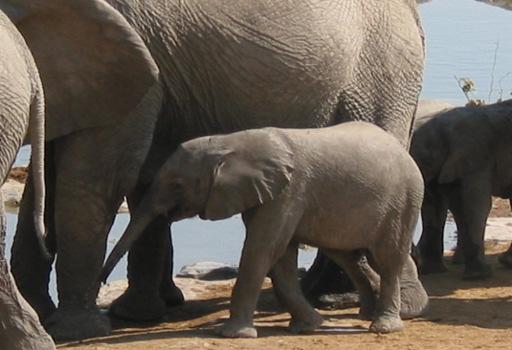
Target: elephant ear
{"points": [[469, 152], [243, 180], [94, 67]]}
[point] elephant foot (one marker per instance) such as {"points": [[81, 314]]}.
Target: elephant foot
{"points": [[338, 301], [505, 259], [233, 329], [386, 324], [428, 267], [172, 295], [306, 325], [138, 306], [413, 297], [75, 324], [413, 301], [480, 271]]}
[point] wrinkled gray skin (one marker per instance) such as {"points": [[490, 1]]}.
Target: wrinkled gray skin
{"points": [[224, 66], [465, 156], [295, 186], [21, 104]]}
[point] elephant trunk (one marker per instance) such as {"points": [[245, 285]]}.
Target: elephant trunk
{"points": [[37, 142], [145, 213]]}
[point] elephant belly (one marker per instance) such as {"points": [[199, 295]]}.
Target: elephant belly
{"points": [[338, 232]]}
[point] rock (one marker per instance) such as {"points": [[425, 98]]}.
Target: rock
{"points": [[339, 301], [208, 271], [11, 192]]}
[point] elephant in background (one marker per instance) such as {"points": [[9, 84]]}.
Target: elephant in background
{"points": [[21, 110], [116, 70], [292, 186], [465, 156]]}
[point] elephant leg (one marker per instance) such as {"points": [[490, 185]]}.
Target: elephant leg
{"points": [[20, 327], [475, 205], [286, 287], [328, 291], [433, 214], [268, 234], [170, 293], [455, 205], [506, 258], [30, 268], [387, 318], [413, 296], [364, 278], [95, 168], [150, 288]]}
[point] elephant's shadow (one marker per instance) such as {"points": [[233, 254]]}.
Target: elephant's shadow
{"points": [[201, 319], [484, 303]]}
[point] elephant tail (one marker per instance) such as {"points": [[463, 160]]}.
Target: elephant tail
{"points": [[37, 141]]}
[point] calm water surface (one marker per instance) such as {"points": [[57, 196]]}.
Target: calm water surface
{"points": [[462, 37]]}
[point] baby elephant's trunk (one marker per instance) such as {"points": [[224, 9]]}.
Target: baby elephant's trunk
{"points": [[145, 213]]}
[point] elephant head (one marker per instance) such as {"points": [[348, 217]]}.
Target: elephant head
{"points": [[213, 177], [94, 67]]}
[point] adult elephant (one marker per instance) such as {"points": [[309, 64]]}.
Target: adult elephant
{"points": [[224, 67], [21, 104]]}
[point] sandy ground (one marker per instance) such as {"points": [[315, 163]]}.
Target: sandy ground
{"points": [[462, 315]]}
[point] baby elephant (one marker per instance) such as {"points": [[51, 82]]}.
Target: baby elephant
{"points": [[465, 156], [345, 189]]}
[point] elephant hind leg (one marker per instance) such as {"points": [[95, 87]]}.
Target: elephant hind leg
{"points": [[365, 279], [413, 297], [470, 210]]}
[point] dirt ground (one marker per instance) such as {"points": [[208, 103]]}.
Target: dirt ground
{"points": [[462, 315]]}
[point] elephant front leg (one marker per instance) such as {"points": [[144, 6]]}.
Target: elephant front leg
{"points": [[287, 289], [82, 221], [151, 289], [150, 260], [93, 173], [433, 215], [269, 231]]}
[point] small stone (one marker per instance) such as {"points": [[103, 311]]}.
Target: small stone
{"points": [[209, 271]]}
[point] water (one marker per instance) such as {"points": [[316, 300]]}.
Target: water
{"points": [[461, 41], [461, 37]]}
